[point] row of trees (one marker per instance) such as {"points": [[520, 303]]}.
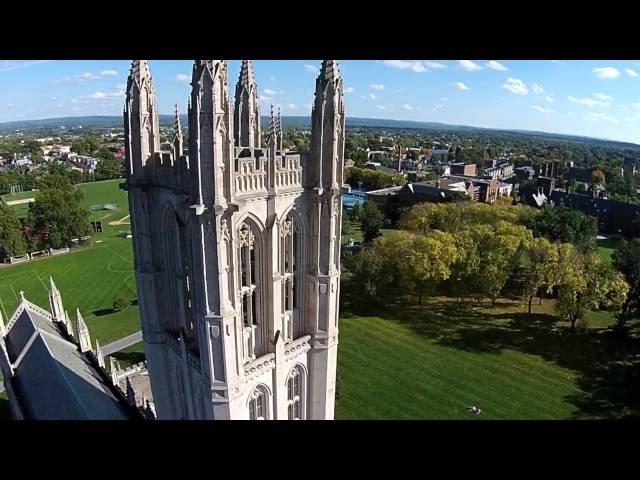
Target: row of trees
{"points": [[56, 217], [372, 179], [475, 251]]}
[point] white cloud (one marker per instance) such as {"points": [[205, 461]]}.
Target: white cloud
{"points": [[631, 72], [413, 65], [549, 98], [437, 107], [603, 97], [292, 106], [269, 92], [10, 105], [515, 85], [311, 68], [348, 90], [606, 72], [381, 107], [406, 106], [589, 102], [459, 86], [83, 77], [9, 65], [433, 65], [372, 96], [496, 66], [542, 109], [444, 99], [537, 89], [106, 95], [600, 116], [636, 105], [181, 77], [632, 118], [469, 66], [377, 86]]}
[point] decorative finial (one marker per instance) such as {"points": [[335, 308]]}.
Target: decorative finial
{"points": [[21, 294]]}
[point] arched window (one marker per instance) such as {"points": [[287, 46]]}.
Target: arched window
{"points": [[250, 291], [296, 394], [258, 404], [290, 269]]}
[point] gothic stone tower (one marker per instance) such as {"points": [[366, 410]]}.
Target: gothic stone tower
{"points": [[236, 250]]}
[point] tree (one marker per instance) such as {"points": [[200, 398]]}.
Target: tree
{"points": [[586, 283], [542, 257], [426, 259], [597, 177], [499, 249], [371, 221], [109, 167], [354, 214], [58, 216], [359, 157], [121, 303], [627, 260], [565, 225], [11, 240]]}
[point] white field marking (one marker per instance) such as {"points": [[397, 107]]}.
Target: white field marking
{"points": [[121, 221], [99, 241], [14, 292], [116, 253], [106, 216], [3, 309], [43, 284]]}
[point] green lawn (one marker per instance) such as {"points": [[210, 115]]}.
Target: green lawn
{"points": [[607, 247], [89, 278], [130, 355], [431, 362]]}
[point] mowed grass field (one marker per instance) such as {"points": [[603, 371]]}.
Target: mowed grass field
{"points": [[398, 361], [89, 278], [402, 361]]}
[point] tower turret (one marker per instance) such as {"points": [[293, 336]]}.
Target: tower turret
{"points": [[246, 117]]}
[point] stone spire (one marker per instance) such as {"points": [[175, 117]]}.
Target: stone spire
{"points": [[113, 370], [131, 394], [55, 302], [273, 128], [210, 132], [329, 70], [67, 324], [246, 115], [327, 129], [3, 330], [99, 355], [141, 121], [177, 136], [279, 130], [82, 332]]}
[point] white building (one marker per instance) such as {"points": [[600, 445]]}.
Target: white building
{"points": [[237, 250]]}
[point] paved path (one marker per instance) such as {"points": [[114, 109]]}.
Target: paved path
{"points": [[122, 343]]}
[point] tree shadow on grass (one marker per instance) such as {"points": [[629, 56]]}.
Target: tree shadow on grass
{"points": [[103, 311], [607, 364], [129, 358]]}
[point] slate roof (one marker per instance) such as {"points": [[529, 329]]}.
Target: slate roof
{"points": [[53, 380]]}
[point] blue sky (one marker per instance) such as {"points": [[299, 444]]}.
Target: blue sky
{"points": [[593, 98]]}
